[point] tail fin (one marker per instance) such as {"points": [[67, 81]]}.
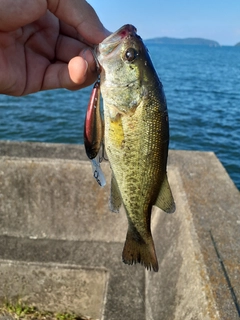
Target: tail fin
{"points": [[137, 250]]}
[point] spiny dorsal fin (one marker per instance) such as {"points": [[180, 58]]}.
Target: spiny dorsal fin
{"points": [[165, 199], [115, 197]]}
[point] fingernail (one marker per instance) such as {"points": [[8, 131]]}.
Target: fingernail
{"points": [[87, 55], [83, 53], [86, 64]]}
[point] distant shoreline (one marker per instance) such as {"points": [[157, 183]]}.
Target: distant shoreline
{"points": [[185, 41], [188, 41]]}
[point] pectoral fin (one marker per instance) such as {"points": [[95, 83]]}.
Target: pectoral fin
{"points": [[165, 199], [115, 197]]}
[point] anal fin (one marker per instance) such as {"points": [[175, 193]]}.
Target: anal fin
{"points": [[165, 199], [115, 197]]}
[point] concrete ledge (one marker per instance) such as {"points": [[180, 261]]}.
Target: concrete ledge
{"points": [[60, 287], [52, 213]]}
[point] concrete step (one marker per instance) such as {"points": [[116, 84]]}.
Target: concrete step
{"points": [[60, 246]]}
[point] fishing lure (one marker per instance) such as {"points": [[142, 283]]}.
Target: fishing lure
{"points": [[93, 133]]}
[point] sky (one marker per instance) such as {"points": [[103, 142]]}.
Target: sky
{"points": [[217, 20]]}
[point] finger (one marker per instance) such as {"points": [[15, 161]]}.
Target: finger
{"points": [[80, 15], [68, 30], [72, 76], [17, 13], [67, 48], [76, 70], [87, 55]]}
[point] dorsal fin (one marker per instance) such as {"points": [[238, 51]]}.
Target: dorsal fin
{"points": [[165, 199]]}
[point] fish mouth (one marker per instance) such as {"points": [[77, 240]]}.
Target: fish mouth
{"points": [[112, 41], [125, 31]]}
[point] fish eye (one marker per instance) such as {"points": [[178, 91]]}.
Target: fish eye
{"points": [[131, 54]]}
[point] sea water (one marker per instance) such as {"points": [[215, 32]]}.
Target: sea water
{"points": [[202, 86]]}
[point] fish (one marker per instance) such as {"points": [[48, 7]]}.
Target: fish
{"points": [[136, 139], [93, 134]]}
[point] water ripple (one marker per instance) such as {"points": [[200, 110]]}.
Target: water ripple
{"points": [[202, 86]]}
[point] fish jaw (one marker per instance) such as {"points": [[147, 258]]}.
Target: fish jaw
{"points": [[112, 41]]}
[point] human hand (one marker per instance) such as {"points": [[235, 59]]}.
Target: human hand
{"points": [[45, 45]]}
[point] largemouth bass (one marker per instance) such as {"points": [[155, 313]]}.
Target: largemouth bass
{"points": [[136, 139]]}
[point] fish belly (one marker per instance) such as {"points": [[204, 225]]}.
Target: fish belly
{"points": [[138, 161]]}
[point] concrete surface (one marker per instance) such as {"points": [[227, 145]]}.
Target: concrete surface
{"points": [[56, 230], [45, 283]]}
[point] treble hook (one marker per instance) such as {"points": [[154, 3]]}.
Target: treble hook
{"points": [[102, 157]]}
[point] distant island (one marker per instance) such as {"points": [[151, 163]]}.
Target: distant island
{"points": [[186, 41], [237, 45]]}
